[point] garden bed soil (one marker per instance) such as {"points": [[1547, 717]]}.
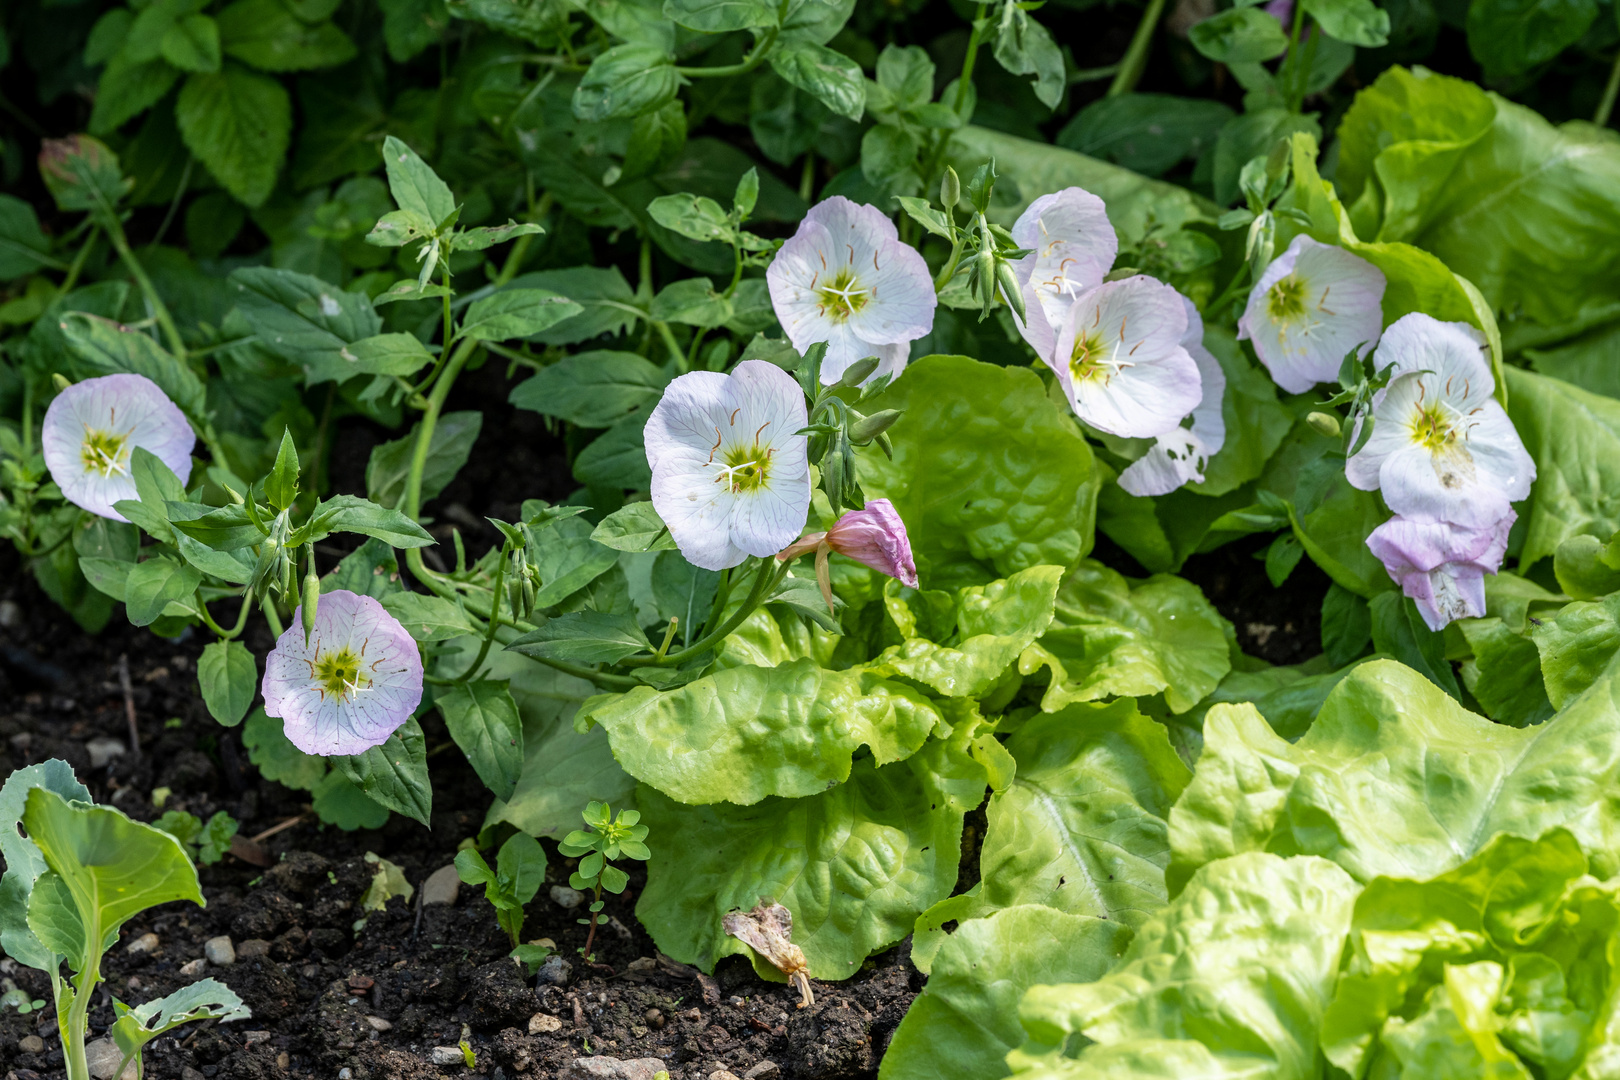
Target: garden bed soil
{"points": [[345, 1000]]}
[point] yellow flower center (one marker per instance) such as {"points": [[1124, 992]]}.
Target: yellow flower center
{"points": [[338, 672], [1432, 429], [1286, 299], [745, 469], [105, 453], [842, 297]]}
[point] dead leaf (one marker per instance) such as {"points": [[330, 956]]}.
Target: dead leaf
{"points": [[768, 930]]}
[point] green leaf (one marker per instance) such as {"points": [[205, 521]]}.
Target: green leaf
{"points": [[108, 867], [601, 291], [485, 237], [451, 444], [429, 617], [1253, 135], [966, 1018], [895, 830], [1399, 632], [989, 476], [538, 21], [634, 527], [82, 173], [1148, 133], [825, 74], [384, 354], [128, 88], [592, 389], [106, 347], [23, 246], [276, 758], [350, 513], [371, 570], [1574, 438], [521, 865], [205, 999], [1239, 35], [268, 36], [720, 16], [745, 733], [516, 313], [1346, 625], [1025, 47], [413, 183], [626, 81], [696, 217], [192, 44], [1359, 22], [394, 774], [229, 677], [339, 802], [154, 584], [591, 637], [301, 318], [238, 124], [281, 486], [24, 861], [1504, 674], [227, 528], [1396, 778], [484, 721], [1112, 636], [617, 458], [1577, 647], [1232, 977], [1509, 37], [692, 301]]}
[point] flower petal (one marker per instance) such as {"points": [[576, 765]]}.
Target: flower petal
{"points": [[1073, 245], [128, 407], [1339, 305]]}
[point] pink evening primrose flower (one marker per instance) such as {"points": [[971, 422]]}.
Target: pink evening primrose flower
{"points": [[91, 432], [1072, 245], [1314, 303], [1119, 358], [351, 685], [1440, 565], [730, 473], [1179, 455], [1442, 448], [846, 279], [874, 536]]}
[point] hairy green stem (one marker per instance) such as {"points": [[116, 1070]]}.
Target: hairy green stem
{"points": [[1136, 57], [115, 233]]}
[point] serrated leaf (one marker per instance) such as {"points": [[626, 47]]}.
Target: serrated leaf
{"points": [[238, 124], [516, 313]]}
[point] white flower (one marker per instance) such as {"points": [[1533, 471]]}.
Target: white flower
{"points": [[1440, 565], [730, 476], [1072, 246], [92, 429], [1119, 358], [846, 279], [1179, 455], [1313, 304], [1441, 449], [351, 685]]}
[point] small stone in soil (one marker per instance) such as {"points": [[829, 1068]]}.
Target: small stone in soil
{"points": [[101, 751], [252, 949], [188, 1073], [345, 1074], [655, 1017], [611, 1068], [11, 614], [723, 1074], [447, 1055], [378, 1023], [194, 968], [566, 898], [554, 972], [765, 1070], [33, 1044], [540, 1024], [220, 951], [146, 943], [443, 886], [103, 1056]]}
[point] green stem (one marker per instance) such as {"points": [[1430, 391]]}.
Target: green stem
{"points": [[115, 232], [494, 618], [754, 58], [1136, 57], [669, 341], [272, 618], [73, 1030], [948, 271], [1606, 106], [807, 178], [77, 266], [768, 578], [1293, 52]]}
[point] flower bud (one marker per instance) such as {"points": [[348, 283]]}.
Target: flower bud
{"points": [[868, 428], [312, 597], [1011, 290], [1325, 423], [859, 372], [874, 536], [950, 189]]}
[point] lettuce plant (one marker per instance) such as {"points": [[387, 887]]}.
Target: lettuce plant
{"points": [[74, 876]]}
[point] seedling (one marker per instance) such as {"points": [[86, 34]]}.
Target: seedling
{"points": [[206, 844], [607, 840], [79, 874], [520, 868]]}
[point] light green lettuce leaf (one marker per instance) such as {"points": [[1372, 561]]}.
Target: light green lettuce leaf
{"points": [[966, 1018], [745, 733], [1577, 647], [1081, 826], [1395, 778], [855, 864], [988, 474], [1455, 1036], [1574, 438], [1230, 980], [1504, 674], [1114, 636], [994, 624]]}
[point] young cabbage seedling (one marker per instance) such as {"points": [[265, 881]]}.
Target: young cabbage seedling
{"points": [[71, 883], [206, 844], [608, 840], [520, 869]]}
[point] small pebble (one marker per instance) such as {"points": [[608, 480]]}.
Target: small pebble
{"points": [[765, 1070], [541, 1023], [441, 887], [655, 1017], [642, 963], [146, 943], [251, 1037], [554, 972], [11, 614], [103, 1056], [736, 1002], [194, 968], [33, 1044], [723, 1074], [447, 1055], [564, 897], [219, 950], [252, 949], [135, 982], [283, 1061], [345, 1074], [188, 1073], [101, 751], [379, 1024]]}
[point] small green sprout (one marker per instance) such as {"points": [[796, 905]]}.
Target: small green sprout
{"points": [[206, 844], [520, 870], [606, 840]]}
